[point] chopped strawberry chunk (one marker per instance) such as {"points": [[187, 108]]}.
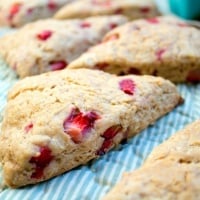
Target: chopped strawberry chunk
{"points": [[153, 20], [101, 66], [52, 5], [159, 54], [112, 37], [111, 132], [118, 11], [14, 9], [41, 161], [44, 35], [28, 127], [105, 147], [134, 70], [85, 25], [58, 65], [155, 72], [29, 11], [194, 76], [145, 9], [78, 124], [128, 86], [113, 25]]}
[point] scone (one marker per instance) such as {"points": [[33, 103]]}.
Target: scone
{"points": [[172, 171], [133, 9], [164, 46], [16, 13], [49, 45], [59, 120]]}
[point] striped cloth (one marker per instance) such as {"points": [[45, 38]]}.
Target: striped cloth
{"points": [[92, 181]]}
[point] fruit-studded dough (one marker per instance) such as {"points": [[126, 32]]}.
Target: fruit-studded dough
{"points": [[59, 120], [133, 9], [49, 45], [16, 13], [163, 46], [172, 171]]}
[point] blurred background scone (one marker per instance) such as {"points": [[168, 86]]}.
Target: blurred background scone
{"points": [[16, 13], [133, 9]]}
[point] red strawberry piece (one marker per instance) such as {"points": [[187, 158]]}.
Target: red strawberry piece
{"points": [[105, 147], [121, 73], [111, 132], [134, 70], [101, 66], [14, 9], [77, 124], [29, 11], [41, 161], [145, 9], [152, 21], [58, 65], [52, 5], [128, 86], [85, 25], [28, 127], [193, 76], [155, 72], [44, 35], [159, 54], [118, 11], [112, 37], [113, 25], [106, 3]]}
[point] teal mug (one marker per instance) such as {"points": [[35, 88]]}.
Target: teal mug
{"points": [[188, 9]]}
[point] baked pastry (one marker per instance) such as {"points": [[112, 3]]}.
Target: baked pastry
{"points": [[48, 45], [16, 13], [133, 9], [59, 120], [172, 171], [163, 46]]}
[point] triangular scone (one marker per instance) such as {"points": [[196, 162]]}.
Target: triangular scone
{"points": [[16, 13], [49, 45], [133, 9], [59, 120], [162, 46], [172, 171]]}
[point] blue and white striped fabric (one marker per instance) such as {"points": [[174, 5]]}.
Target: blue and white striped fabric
{"points": [[92, 181]]}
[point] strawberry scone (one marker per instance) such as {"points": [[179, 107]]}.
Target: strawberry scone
{"points": [[16, 13], [164, 46], [172, 171], [133, 9], [49, 45], [59, 120]]}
